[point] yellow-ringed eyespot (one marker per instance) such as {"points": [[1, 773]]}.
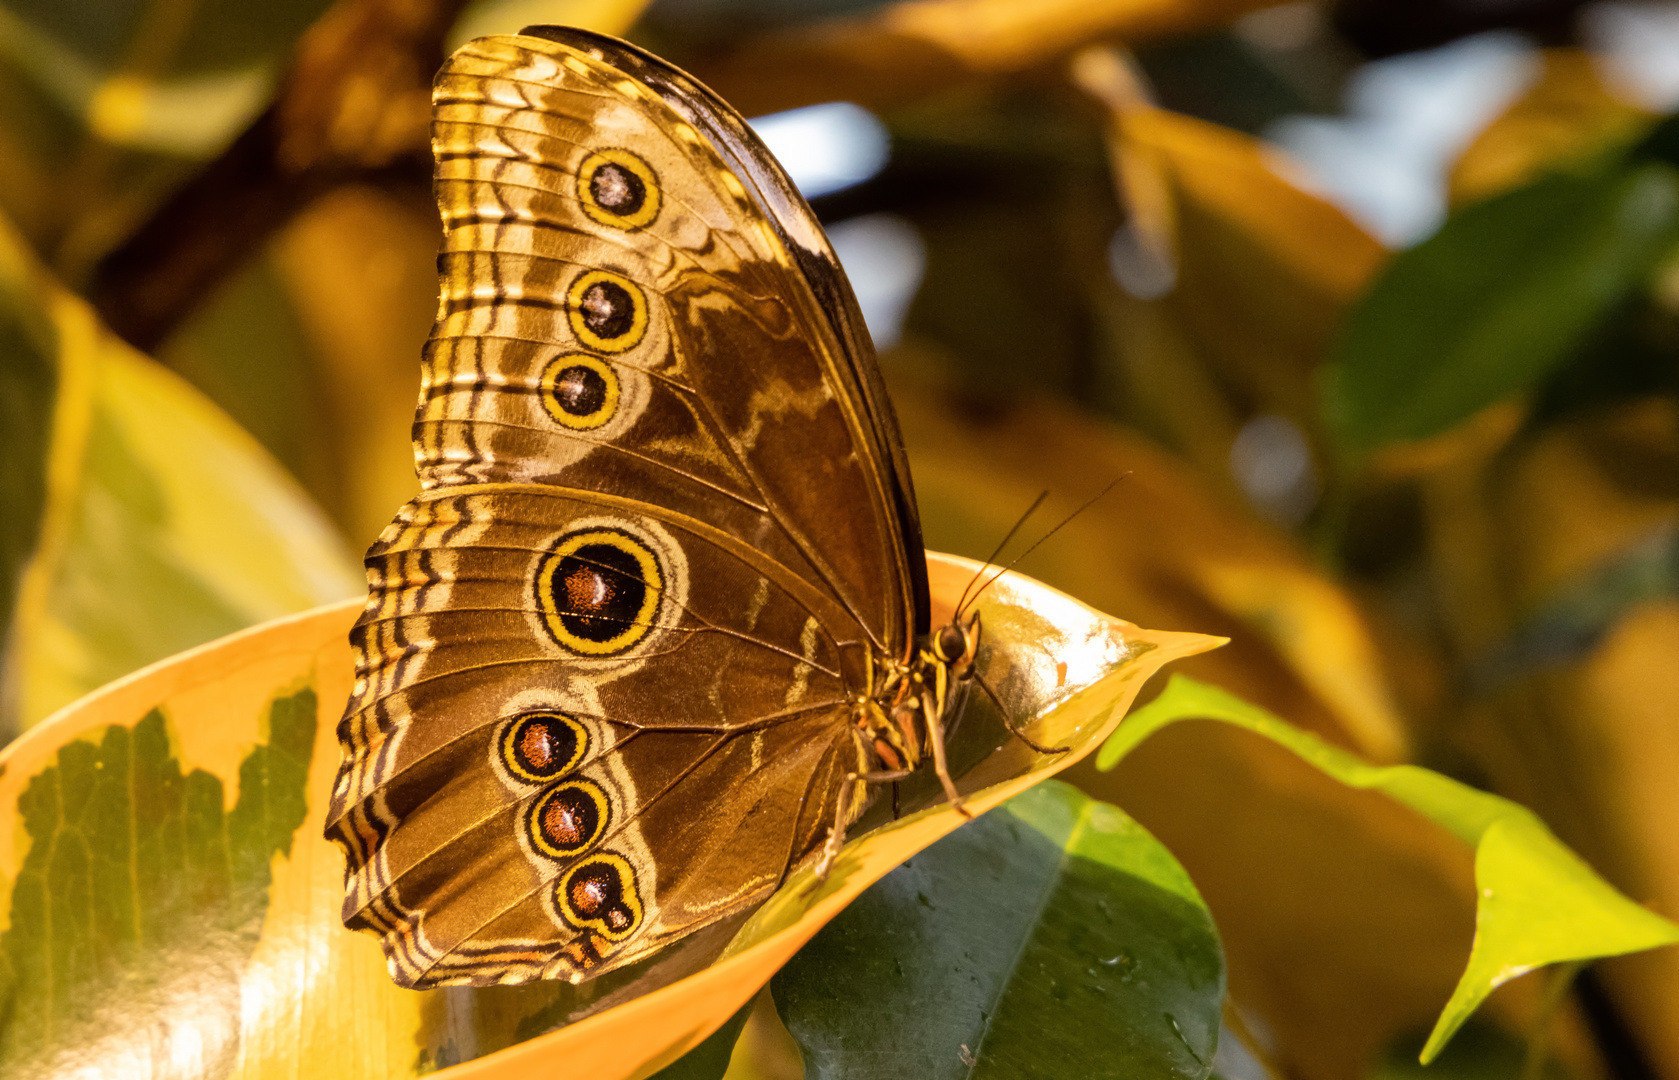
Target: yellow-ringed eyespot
{"points": [[580, 391], [567, 820], [598, 591], [607, 311], [542, 746], [617, 188], [599, 894]]}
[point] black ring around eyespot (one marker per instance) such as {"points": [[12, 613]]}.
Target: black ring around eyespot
{"points": [[580, 391], [618, 188], [607, 311], [600, 894], [543, 746], [598, 591], [568, 819]]}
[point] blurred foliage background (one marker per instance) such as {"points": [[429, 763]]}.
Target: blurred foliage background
{"points": [[1374, 306]]}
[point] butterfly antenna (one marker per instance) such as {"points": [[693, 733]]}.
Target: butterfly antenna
{"points": [[1001, 544], [966, 599]]}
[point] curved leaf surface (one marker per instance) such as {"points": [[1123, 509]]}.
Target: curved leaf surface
{"points": [[210, 941], [1539, 902], [163, 525], [1053, 937]]}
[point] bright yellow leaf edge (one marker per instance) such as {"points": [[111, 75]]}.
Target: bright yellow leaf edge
{"points": [[324, 987], [1537, 902]]}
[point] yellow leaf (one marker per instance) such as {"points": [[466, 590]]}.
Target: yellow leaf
{"points": [[309, 992], [1158, 543], [1254, 271], [1587, 741], [358, 270], [511, 16]]}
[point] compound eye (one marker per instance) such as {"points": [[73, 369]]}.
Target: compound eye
{"points": [[951, 644]]}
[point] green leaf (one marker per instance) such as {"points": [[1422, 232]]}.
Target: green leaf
{"points": [[137, 885], [163, 524], [1539, 902], [1054, 912], [1495, 301]]}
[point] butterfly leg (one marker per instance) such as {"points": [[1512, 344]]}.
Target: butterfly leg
{"points": [[1009, 721], [842, 804], [836, 834], [935, 731]]}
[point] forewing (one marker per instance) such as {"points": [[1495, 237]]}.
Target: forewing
{"points": [[621, 311]]}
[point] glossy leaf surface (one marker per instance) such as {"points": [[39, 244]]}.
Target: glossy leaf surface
{"points": [[1052, 937], [218, 736], [1539, 902], [138, 887]]}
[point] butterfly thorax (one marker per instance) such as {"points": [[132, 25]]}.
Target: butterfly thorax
{"points": [[909, 702]]}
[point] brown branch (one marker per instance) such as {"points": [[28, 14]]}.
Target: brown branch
{"points": [[356, 99]]}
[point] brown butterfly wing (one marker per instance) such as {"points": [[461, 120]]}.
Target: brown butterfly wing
{"points": [[735, 380], [606, 670]]}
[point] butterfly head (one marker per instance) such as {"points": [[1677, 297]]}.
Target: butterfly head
{"points": [[954, 646]]}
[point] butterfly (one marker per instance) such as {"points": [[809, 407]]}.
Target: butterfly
{"points": [[657, 629]]}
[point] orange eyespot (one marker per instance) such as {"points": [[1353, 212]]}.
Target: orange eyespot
{"points": [[599, 894], [543, 746], [569, 819]]}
